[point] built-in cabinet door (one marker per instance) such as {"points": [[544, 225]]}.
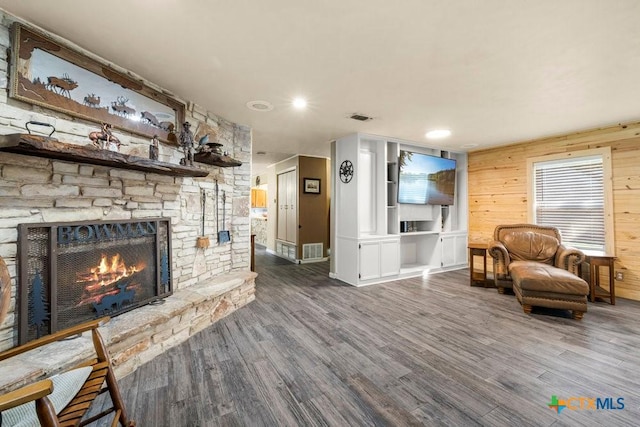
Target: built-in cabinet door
{"points": [[389, 257], [261, 199], [258, 198], [453, 249], [287, 207], [369, 260], [462, 250], [380, 258], [448, 251]]}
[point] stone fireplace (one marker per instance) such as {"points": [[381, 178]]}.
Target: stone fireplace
{"points": [[73, 272], [66, 205]]}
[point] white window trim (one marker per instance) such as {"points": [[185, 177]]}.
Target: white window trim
{"points": [[605, 153]]}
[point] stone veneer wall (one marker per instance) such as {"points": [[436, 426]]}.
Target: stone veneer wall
{"points": [[40, 190], [259, 228]]}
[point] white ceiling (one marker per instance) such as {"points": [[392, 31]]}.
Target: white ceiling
{"points": [[492, 71]]}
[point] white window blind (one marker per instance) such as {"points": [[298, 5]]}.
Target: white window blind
{"points": [[569, 195]]}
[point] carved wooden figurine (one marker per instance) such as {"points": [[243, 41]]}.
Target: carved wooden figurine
{"points": [[104, 139], [154, 148], [186, 142]]}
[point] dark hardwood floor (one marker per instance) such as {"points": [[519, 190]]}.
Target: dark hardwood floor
{"points": [[432, 351]]}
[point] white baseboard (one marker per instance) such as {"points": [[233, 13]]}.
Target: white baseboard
{"points": [[309, 261]]}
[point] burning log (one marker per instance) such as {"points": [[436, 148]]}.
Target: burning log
{"points": [[110, 278]]}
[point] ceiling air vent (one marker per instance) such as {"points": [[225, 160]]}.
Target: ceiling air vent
{"points": [[360, 117]]}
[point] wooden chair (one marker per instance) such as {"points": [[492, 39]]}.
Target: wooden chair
{"points": [[100, 379]]}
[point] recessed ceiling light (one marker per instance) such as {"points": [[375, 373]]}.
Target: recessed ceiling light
{"points": [[300, 103], [259, 106], [438, 133], [469, 146]]}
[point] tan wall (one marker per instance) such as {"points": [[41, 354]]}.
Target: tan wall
{"points": [[498, 190], [313, 209]]}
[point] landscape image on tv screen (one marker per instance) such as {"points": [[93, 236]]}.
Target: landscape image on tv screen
{"points": [[426, 180]]}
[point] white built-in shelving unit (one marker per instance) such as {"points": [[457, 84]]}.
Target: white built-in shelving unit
{"points": [[376, 239]]}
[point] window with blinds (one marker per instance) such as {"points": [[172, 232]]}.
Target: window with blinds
{"points": [[569, 194]]}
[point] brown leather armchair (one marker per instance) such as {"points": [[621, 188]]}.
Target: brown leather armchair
{"points": [[529, 242], [532, 260]]}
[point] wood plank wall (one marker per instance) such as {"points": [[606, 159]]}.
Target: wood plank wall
{"points": [[498, 190]]}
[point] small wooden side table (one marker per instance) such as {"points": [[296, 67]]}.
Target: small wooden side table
{"points": [[477, 278], [595, 261]]}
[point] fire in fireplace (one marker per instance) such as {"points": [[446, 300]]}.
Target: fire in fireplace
{"points": [[110, 283], [70, 273]]}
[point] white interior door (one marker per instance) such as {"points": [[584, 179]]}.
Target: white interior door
{"points": [[292, 211], [282, 207], [287, 207]]}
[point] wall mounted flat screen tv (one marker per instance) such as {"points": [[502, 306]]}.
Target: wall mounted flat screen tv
{"points": [[425, 179]]}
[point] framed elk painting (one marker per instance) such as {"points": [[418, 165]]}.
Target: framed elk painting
{"points": [[46, 73]]}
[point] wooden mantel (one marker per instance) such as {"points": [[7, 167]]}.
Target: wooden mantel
{"points": [[51, 148], [216, 160]]}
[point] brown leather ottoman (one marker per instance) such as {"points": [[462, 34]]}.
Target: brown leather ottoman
{"points": [[543, 285]]}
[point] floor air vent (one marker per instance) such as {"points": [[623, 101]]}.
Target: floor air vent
{"points": [[311, 251]]}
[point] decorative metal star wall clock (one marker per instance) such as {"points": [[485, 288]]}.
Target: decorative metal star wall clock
{"points": [[346, 171]]}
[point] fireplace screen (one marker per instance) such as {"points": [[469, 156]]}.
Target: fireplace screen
{"points": [[74, 272]]}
